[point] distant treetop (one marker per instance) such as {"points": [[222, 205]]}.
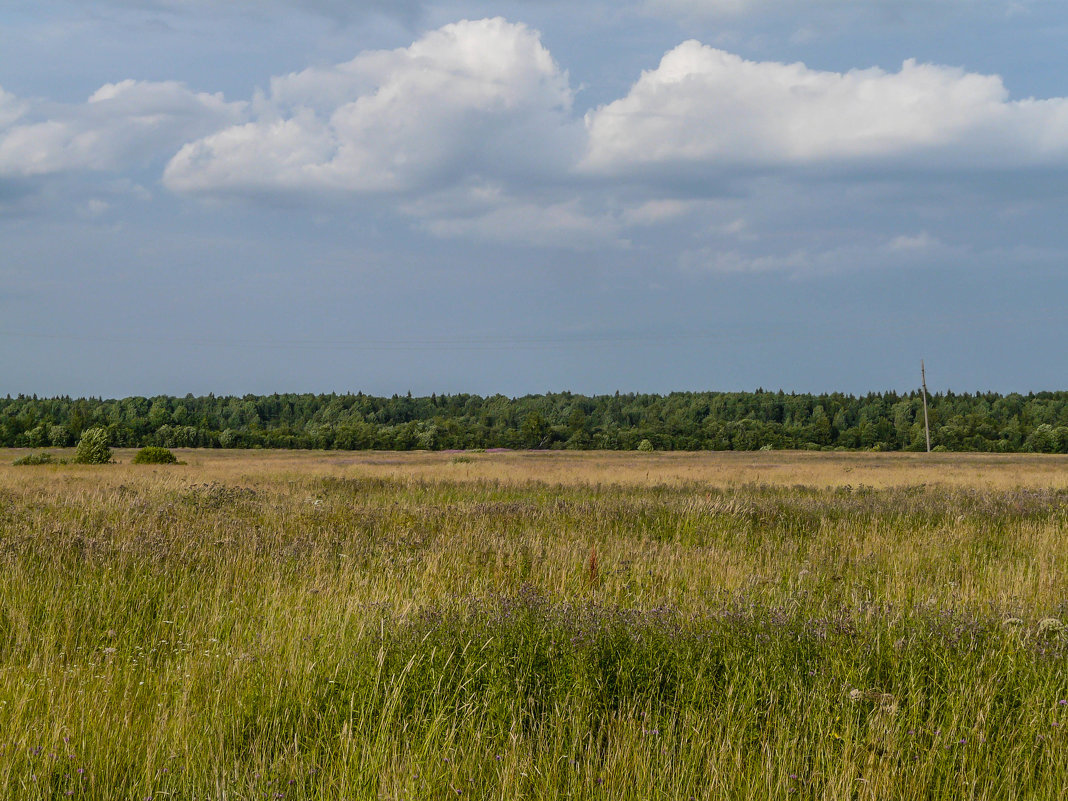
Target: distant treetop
{"points": [[1035, 422]]}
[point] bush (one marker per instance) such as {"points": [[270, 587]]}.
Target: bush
{"points": [[154, 455], [645, 446], [93, 447], [37, 458]]}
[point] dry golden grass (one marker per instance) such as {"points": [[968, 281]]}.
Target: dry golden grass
{"points": [[576, 468]]}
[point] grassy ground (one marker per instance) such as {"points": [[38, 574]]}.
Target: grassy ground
{"points": [[517, 625]]}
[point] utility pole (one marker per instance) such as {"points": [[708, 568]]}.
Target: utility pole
{"points": [[926, 425]]}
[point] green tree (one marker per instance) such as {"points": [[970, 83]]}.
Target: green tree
{"points": [[159, 415], [38, 437], [535, 430], [1042, 440], [820, 427], [58, 436], [93, 447]]}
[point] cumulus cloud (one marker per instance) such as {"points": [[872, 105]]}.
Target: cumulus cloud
{"points": [[121, 125], [478, 97], [704, 106], [470, 132]]}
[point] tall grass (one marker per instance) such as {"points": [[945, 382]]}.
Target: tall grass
{"points": [[243, 628]]}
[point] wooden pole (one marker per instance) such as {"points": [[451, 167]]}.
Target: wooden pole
{"points": [[926, 425]]}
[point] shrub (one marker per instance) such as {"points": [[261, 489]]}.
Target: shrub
{"points": [[154, 455], [38, 437], [36, 458], [93, 447], [645, 446]]}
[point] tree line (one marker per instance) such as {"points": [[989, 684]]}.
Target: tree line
{"points": [[1036, 422]]}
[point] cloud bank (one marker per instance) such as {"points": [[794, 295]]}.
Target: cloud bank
{"points": [[121, 126], [471, 132]]}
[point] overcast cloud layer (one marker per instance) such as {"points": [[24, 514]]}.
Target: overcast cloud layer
{"points": [[689, 194]]}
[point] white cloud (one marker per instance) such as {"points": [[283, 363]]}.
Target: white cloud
{"points": [[904, 249], [703, 106], [654, 212], [491, 211], [469, 132], [565, 224], [472, 98], [714, 260], [913, 242], [121, 125], [11, 108], [93, 208]]}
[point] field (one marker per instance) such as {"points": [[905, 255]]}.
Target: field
{"points": [[347, 625]]}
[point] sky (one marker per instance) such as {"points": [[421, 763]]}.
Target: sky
{"points": [[258, 196]]}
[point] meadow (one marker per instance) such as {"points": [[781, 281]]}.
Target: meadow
{"points": [[535, 625]]}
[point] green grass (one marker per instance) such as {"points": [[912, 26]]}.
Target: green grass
{"points": [[277, 633]]}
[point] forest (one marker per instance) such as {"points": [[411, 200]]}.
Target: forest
{"points": [[986, 422]]}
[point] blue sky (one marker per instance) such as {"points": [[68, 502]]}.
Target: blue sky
{"points": [[656, 195]]}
